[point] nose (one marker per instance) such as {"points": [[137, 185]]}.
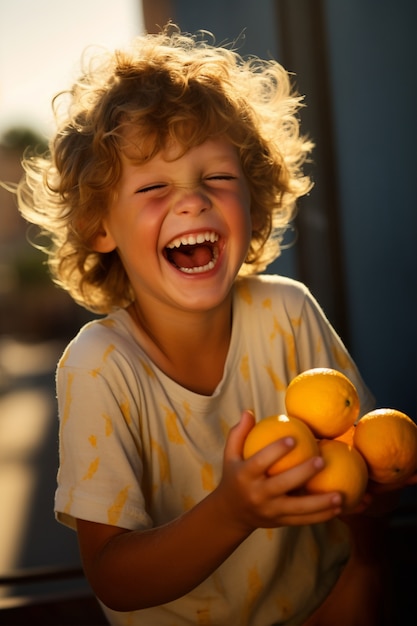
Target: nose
{"points": [[191, 201]]}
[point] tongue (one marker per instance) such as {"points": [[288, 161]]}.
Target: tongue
{"points": [[191, 256]]}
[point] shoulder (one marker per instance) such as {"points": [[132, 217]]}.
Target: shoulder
{"points": [[99, 341], [270, 290]]}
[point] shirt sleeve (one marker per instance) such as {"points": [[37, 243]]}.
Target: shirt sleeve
{"points": [[101, 467]]}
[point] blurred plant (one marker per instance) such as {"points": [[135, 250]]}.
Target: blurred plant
{"points": [[19, 138]]}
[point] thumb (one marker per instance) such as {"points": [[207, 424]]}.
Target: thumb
{"points": [[238, 434]]}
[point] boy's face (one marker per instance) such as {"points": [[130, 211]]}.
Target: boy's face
{"points": [[181, 224]]}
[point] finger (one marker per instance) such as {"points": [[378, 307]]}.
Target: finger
{"points": [[295, 478], [308, 520], [237, 435], [262, 460], [309, 509], [366, 501], [311, 505]]}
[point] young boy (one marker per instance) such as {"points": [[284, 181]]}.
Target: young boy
{"points": [[172, 176]]}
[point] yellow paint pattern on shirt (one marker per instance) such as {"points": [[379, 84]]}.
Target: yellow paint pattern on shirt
{"points": [[92, 469], [225, 427], [207, 478], [93, 440], [130, 619], [277, 382], [148, 370], [289, 340], [68, 506], [267, 303], [108, 351], [108, 424], [284, 607], [108, 323], [255, 587], [244, 291], [254, 583], [204, 616], [187, 412], [295, 322], [125, 409], [171, 426], [127, 619], [341, 358], [114, 512], [244, 367], [68, 399], [96, 371], [188, 502], [164, 472]]}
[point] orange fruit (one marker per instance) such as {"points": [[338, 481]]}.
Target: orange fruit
{"points": [[344, 471], [325, 399], [347, 436], [387, 440], [276, 427]]}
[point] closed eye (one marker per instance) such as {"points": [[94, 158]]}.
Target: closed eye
{"points": [[220, 180], [161, 186], [221, 177], [149, 188]]}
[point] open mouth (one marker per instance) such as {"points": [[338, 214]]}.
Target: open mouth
{"points": [[194, 254]]}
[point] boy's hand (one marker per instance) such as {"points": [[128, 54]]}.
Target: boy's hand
{"points": [[254, 499]]}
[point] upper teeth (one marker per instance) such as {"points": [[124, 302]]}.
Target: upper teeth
{"points": [[191, 240]]}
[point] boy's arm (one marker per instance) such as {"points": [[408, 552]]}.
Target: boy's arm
{"points": [[131, 570]]}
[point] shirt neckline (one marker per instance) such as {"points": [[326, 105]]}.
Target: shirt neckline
{"points": [[175, 389]]}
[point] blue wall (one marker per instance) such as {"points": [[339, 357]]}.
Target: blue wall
{"points": [[373, 73], [373, 65]]}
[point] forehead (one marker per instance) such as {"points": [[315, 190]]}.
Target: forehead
{"points": [[142, 136], [137, 152]]}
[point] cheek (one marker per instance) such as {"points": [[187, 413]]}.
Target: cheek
{"points": [[143, 229], [247, 215], [244, 225]]}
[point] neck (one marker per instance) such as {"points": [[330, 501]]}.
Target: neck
{"points": [[190, 348]]}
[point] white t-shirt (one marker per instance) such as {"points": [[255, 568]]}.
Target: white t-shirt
{"points": [[137, 450]]}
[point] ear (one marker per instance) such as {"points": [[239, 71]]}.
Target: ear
{"points": [[103, 241]]}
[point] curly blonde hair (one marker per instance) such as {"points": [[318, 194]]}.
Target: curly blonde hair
{"points": [[166, 86]]}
